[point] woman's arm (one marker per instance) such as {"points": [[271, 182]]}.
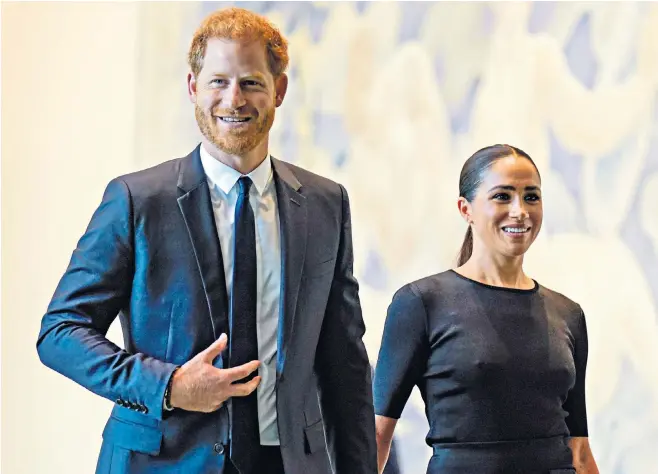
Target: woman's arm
{"points": [[575, 404], [402, 359], [384, 427], [583, 459]]}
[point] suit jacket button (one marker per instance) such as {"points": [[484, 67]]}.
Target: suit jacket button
{"points": [[219, 448]]}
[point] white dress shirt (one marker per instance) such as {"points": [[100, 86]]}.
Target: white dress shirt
{"points": [[222, 181]]}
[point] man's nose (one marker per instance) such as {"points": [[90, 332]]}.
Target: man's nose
{"points": [[234, 97]]}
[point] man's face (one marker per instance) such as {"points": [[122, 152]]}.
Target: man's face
{"points": [[235, 95]]}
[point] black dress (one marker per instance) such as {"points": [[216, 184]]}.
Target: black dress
{"points": [[501, 371]]}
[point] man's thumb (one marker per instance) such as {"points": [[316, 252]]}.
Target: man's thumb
{"points": [[214, 349]]}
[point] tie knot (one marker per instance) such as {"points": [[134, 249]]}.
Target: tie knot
{"points": [[245, 185]]}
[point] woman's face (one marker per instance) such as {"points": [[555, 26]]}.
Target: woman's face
{"points": [[506, 212]]}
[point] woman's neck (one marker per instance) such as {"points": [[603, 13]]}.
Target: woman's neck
{"points": [[496, 270]]}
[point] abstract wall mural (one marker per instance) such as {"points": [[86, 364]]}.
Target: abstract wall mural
{"points": [[390, 98]]}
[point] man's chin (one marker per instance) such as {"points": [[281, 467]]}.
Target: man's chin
{"points": [[236, 146]]}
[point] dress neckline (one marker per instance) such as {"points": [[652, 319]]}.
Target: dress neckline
{"points": [[499, 288]]}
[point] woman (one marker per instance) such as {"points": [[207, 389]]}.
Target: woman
{"points": [[499, 359]]}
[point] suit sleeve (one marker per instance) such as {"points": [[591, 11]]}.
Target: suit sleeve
{"points": [[343, 367], [94, 289], [575, 404]]}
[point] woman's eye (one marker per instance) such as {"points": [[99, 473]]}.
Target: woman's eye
{"points": [[532, 197], [501, 196]]}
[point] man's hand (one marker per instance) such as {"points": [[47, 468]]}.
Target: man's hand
{"points": [[199, 386]]}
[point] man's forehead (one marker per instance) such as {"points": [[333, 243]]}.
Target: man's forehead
{"points": [[242, 47], [226, 52]]}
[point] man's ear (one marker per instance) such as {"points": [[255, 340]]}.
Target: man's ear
{"points": [[281, 87], [191, 87]]}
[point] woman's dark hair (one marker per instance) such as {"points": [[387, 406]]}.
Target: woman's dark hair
{"points": [[472, 176]]}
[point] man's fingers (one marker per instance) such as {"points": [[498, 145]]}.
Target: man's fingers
{"points": [[244, 389], [213, 350], [241, 371]]}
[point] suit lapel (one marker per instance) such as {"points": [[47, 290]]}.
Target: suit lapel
{"points": [[196, 207], [293, 222]]}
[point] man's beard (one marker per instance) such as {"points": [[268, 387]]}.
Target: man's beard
{"points": [[234, 143]]}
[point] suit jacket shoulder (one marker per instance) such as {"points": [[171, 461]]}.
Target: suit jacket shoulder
{"points": [[312, 183], [154, 181]]}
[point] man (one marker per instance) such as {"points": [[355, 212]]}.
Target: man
{"points": [[222, 265]]}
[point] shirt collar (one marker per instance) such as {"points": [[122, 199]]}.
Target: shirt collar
{"points": [[225, 177]]}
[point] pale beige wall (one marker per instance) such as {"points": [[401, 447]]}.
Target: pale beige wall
{"points": [[68, 121]]}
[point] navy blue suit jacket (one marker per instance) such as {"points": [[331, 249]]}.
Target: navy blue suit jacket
{"points": [[151, 255]]}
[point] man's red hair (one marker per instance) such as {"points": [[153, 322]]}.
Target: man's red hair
{"points": [[239, 24]]}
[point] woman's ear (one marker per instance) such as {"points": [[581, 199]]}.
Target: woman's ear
{"points": [[465, 209]]}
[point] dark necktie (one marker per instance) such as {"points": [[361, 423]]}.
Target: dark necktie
{"points": [[245, 435]]}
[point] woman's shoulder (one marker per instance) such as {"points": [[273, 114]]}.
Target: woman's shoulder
{"points": [[442, 282], [558, 298], [561, 303]]}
